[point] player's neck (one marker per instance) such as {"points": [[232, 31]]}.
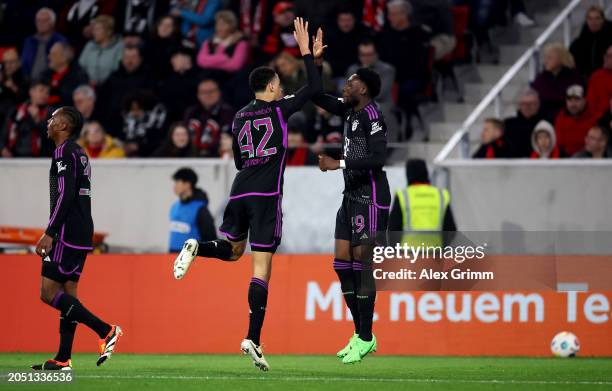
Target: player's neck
{"points": [[362, 104], [266, 97], [60, 140]]}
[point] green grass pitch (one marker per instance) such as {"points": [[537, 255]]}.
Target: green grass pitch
{"points": [[235, 372]]}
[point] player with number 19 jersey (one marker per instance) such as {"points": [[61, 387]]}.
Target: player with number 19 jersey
{"points": [[260, 153]]}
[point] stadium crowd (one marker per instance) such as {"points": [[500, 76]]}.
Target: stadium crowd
{"points": [[164, 78], [567, 109]]}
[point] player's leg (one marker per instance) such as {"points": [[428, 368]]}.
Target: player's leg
{"points": [[67, 327], [265, 227], [234, 227], [67, 266], [365, 225], [258, 301], [48, 290], [343, 266]]}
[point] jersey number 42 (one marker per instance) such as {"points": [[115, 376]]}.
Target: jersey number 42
{"points": [[246, 135]]}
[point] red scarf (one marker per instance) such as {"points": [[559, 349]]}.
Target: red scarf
{"points": [[374, 14], [56, 78], [251, 22], [553, 155], [20, 115]]}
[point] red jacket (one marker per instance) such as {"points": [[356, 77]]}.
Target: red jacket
{"points": [[571, 130], [600, 90]]}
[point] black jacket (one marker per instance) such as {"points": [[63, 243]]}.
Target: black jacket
{"points": [[589, 48], [517, 134], [205, 221]]}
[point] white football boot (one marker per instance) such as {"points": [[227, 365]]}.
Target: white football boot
{"points": [[248, 347], [185, 257]]}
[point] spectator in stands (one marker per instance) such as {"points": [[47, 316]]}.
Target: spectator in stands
{"points": [[208, 118], [255, 19], [344, 38], [323, 13], [198, 19], [298, 153], [437, 16], [405, 46], [290, 72], [130, 76], [13, 86], [178, 91], [518, 132], [606, 119], [84, 98], [368, 58], [77, 17], [281, 37], [558, 74], [164, 42], [600, 85], [36, 47], [227, 51], [594, 39], [63, 74], [177, 144], [189, 216], [102, 54], [573, 122], [144, 122], [136, 18], [98, 144], [596, 144], [327, 126], [226, 151], [25, 131], [544, 142], [492, 141]]}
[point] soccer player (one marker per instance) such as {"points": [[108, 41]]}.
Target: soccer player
{"points": [[67, 239], [365, 206], [255, 203]]}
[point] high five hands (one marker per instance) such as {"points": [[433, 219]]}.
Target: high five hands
{"points": [[301, 35]]}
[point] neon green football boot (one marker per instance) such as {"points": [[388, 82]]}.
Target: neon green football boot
{"points": [[347, 348], [359, 349]]}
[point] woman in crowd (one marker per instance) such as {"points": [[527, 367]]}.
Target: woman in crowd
{"points": [[102, 54], [177, 144]]}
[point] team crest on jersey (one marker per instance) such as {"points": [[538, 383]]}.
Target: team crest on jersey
{"points": [[355, 125], [60, 167], [376, 126]]}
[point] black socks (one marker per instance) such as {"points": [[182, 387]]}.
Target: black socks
{"points": [[220, 248], [258, 300], [67, 329], [344, 270], [72, 309], [366, 296]]}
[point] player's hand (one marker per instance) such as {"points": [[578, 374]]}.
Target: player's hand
{"points": [[317, 44], [43, 247], [301, 35], [328, 163]]}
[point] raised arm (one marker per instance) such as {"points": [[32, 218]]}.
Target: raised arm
{"points": [[292, 103], [328, 102]]}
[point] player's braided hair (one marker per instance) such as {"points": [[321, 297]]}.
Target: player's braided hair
{"points": [[74, 118]]}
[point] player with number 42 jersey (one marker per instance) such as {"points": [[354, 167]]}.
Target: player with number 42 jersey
{"points": [[254, 209]]}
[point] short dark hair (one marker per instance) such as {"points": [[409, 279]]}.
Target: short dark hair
{"points": [[371, 80], [186, 174], [499, 124], [260, 77], [74, 118]]}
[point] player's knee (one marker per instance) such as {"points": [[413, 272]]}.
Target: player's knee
{"points": [[47, 295]]}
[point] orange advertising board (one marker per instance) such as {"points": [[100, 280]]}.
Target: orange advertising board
{"points": [[207, 311]]}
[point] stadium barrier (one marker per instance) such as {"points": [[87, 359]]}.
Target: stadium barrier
{"points": [[207, 311]]}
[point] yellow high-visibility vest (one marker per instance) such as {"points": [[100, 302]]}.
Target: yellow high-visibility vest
{"points": [[423, 209]]}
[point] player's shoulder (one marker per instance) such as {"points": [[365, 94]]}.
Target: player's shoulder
{"points": [[371, 113]]}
